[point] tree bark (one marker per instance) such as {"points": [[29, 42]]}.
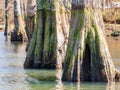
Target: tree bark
{"points": [[6, 17], [30, 20], [53, 22], [63, 17], [87, 57], [23, 7], [19, 33], [44, 51]]}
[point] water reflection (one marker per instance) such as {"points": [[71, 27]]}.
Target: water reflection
{"points": [[12, 74], [14, 77], [110, 86], [59, 85], [78, 86]]}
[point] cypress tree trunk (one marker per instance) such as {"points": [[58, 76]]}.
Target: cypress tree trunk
{"points": [[50, 42], [23, 8], [63, 17], [42, 47], [30, 20], [19, 33], [6, 17], [87, 57]]}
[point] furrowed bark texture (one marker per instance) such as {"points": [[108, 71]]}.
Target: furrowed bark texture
{"points": [[72, 33], [87, 57], [30, 19], [63, 17], [44, 52], [6, 18], [53, 21], [19, 33]]}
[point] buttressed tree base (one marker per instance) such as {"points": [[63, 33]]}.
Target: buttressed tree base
{"points": [[18, 33], [87, 57], [71, 32]]}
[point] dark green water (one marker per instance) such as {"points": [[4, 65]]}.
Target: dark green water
{"points": [[14, 77]]}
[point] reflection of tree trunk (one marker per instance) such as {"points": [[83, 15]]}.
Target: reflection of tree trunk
{"points": [[6, 17], [110, 86], [88, 57], [19, 33], [59, 85]]}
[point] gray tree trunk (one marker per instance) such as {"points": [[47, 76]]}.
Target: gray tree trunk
{"points": [[42, 49], [87, 57], [19, 33], [73, 33], [50, 41], [30, 19], [6, 17]]}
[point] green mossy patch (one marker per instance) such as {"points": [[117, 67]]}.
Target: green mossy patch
{"points": [[47, 5], [42, 75], [75, 36]]}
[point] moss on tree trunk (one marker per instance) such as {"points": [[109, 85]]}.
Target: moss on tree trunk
{"points": [[44, 52], [30, 19], [52, 35], [87, 57]]}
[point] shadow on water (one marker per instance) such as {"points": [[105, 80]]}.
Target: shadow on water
{"points": [[14, 77]]}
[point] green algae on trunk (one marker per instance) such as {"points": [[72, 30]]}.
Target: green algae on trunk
{"points": [[49, 50], [88, 57], [77, 22], [29, 61], [44, 52], [30, 20]]}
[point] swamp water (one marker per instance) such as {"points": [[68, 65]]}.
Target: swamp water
{"points": [[14, 77]]}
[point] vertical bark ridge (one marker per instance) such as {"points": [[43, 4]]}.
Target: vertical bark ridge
{"points": [[94, 64]]}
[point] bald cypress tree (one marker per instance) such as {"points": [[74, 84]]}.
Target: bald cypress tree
{"points": [[42, 49], [88, 57], [71, 32], [19, 33], [30, 19], [49, 42], [6, 17]]}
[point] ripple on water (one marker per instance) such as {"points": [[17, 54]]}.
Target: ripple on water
{"points": [[12, 74], [14, 77]]}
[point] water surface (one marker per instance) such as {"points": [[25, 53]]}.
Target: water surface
{"points": [[14, 77]]}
